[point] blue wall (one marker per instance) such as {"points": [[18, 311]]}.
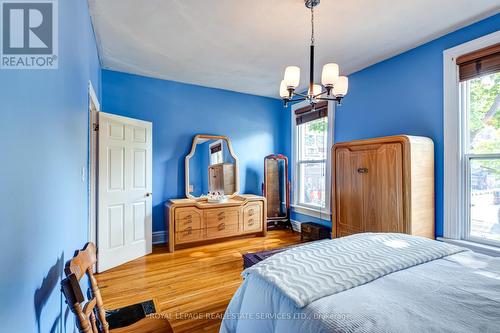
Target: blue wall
{"points": [[404, 95], [43, 214], [179, 111]]}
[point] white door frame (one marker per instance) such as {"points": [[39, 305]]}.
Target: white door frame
{"points": [[94, 108]]}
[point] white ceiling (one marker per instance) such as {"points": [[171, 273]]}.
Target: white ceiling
{"points": [[244, 45]]}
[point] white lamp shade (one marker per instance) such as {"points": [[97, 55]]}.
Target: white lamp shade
{"points": [[283, 90], [341, 87], [292, 76], [316, 90], [330, 74]]}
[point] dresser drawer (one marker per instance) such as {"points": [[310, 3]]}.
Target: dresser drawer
{"points": [[228, 216], [188, 217], [222, 230], [252, 217], [188, 234], [222, 222]]}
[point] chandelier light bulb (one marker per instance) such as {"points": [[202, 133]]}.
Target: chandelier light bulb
{"points": [[283, 90], [316, 90], [341, 87], [292, 76], [330, 75]]}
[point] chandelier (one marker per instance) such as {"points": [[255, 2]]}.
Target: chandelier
{"points": [[335, 86]]}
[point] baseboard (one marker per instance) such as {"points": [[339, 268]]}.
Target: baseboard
{"points": [[296, 225], [159, 237]]}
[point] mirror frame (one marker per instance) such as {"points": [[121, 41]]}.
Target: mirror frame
{"points": [[278, 157], [192, 152]]}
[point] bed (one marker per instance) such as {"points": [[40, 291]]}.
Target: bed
{"points": [[369, 283]]}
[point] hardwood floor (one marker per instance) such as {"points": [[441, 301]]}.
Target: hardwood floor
{"points": [[192, 286]]}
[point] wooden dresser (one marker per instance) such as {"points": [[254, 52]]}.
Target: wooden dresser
{"points": [[383, 185], [195, 221]]}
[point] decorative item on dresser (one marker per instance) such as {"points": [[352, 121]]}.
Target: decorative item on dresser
{"points": [[201, 219], [276, 189], [383, 185]]}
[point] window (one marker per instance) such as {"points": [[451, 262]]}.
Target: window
{"points": [[311, 134], [472, 144], [311, 163], [480, 98], [216, 153]]}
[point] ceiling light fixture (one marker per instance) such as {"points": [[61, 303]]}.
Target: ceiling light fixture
{"points": [[335, 86]]}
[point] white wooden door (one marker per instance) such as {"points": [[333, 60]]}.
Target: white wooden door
{"points": [[124, 225]]}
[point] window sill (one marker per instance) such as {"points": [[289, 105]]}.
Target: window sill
{"points": [[490, 250], [323, 214]]}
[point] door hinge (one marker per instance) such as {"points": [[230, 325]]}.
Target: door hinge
{"points": [[96, 127]]}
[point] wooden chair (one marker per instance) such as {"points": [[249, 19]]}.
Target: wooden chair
{"points": [[85, 317], [91, 318]]}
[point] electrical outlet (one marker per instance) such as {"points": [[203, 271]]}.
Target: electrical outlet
{"points": [[191, 188]]}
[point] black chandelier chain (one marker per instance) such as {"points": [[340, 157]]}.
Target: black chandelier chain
{"points": [[312, 25]]}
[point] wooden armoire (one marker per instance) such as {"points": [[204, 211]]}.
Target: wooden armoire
{"points": [[383, 185]]}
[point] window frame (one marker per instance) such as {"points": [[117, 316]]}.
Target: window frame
{"points": [[456, 212], [311, 210], [215, 143]]}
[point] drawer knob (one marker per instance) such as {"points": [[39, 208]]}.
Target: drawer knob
{"points": [[251, 212], [251, 222], [221, 226], [363, 170], [188, 231]]}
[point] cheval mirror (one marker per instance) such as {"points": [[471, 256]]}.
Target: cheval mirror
{"points": [[276, 189], [211, 167]]}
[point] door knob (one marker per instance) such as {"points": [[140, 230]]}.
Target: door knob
{"points": [[149, 194], [363, 170]]}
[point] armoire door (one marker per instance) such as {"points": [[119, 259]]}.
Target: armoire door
{"points": [[383, 188], [369, 189], [349, 192]]}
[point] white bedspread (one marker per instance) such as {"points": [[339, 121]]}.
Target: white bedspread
{"points": [[456, 294], [310, 272]]}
